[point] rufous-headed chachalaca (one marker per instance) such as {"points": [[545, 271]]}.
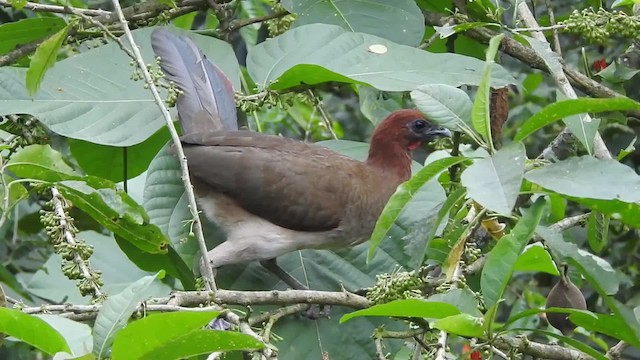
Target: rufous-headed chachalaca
{"points": [[270, 194]]}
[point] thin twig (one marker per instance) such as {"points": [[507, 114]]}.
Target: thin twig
{"points": [[197, 225], [600, 149], [539, 28], [56, 9], [323, 114], [239, 24], [552, 21], [281, 312]]}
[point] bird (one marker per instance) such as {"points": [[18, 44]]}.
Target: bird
{"points": [[270, 194]]}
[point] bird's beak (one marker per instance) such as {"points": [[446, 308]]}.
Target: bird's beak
{"points": [[438, 132]]}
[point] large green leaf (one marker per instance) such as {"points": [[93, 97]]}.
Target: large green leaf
{"points": [[628, 213], [597, 270], [116, 311], [562, 109], [463, 299], [76, 334], [116, 211], [176, 335], [494, 182], [400, 21], [40, 162], [376, 105], [406, 308], [25, 31], [588, 177], [403, 195], [499, 265], [166, 203], [90, 96], [117, 163], [445, 105], [462, 325], [536, 259], [317, 53], [32, 330]]}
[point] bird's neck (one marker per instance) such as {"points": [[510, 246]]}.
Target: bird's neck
{"points": [[391, 158]]}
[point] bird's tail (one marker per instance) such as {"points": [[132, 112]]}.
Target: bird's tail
{"points": [[207, 101]]}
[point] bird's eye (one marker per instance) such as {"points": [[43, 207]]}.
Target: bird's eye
{"points": [[418, 125]]}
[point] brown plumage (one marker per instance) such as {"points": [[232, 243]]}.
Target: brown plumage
{"points": [[273, 195]]}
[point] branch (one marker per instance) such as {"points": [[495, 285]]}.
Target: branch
{"points": [[56, 9], [194, 301], [538, 350], [193, 207], [20, 51], [615, 352], [237, 25]]}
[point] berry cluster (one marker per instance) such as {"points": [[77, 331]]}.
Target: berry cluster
{"points": [[601, 25]]}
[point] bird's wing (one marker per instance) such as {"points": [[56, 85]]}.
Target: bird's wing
{"points": [[207, 99], [294, 185]]}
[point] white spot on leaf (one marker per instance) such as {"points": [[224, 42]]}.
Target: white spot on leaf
{"points": [[377, 49]]}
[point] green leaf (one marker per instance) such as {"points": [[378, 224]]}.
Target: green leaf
{"points": [[461, 324], [403, 195], [176, 335], [116, 311], [583, 128], [628, 213], [602, 323], [619, 3], [445, 105], [166, 203], [480, 117], [549, 56], [100, 103], [588, 177], [403, 21], [597, 231], [536, 259], [463, 299], [628, 150], [40, 162], [383, 64], [171, 262], [77, 335], [499, 265], [27, 30], [117, 163], [44, 58], [116, 211], [598, 271], [562, 109], [376, 105], [32, 331], [406, 308], [494, 182]]}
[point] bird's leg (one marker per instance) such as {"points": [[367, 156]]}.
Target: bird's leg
{"points": [[274, 268], [314, 311]]}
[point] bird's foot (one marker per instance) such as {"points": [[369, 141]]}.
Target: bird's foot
{"points": [[315, 312]]}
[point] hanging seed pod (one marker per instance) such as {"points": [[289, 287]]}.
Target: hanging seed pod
{"points": [[564, 295]]}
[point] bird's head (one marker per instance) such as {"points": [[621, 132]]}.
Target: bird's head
{"points": [[397, 135]]}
